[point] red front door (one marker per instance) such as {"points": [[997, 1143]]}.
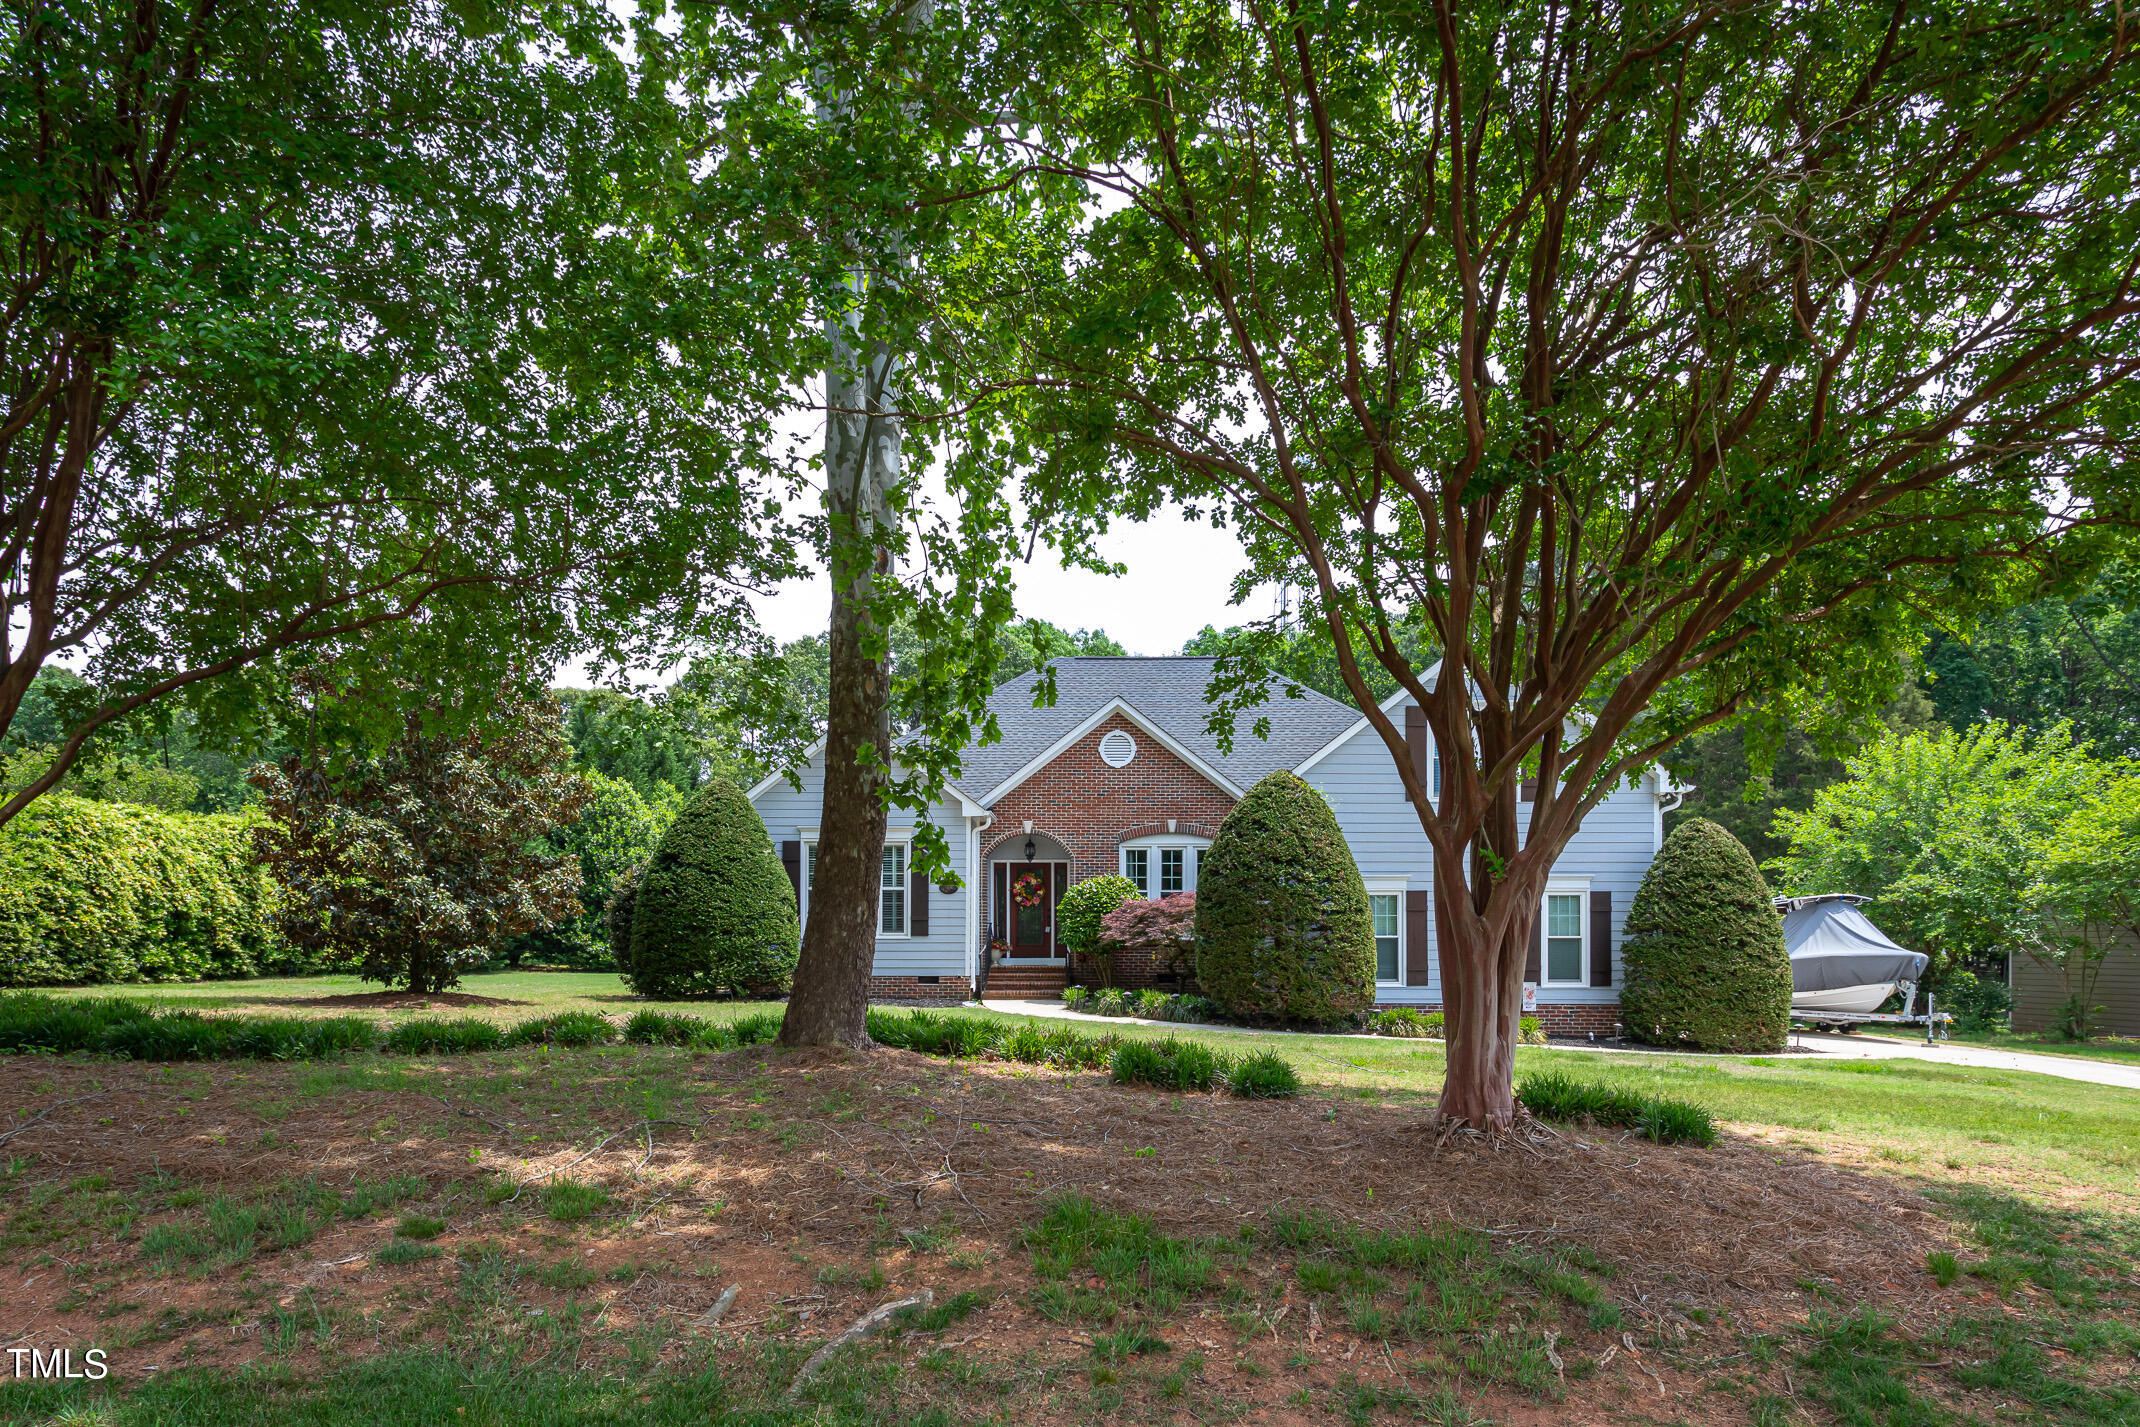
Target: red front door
{"points": [[1032, 927]]}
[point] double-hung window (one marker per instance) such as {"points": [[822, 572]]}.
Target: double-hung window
{"points": [[1389, 935], [1163, 865], [892, 895], [1170, 869], [1564, 939]]}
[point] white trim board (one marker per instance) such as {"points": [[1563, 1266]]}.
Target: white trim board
{"points": [[1100, 716], [967, 806]]}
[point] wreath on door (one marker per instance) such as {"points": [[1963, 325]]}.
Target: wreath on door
{"points": [[1030, 890]]}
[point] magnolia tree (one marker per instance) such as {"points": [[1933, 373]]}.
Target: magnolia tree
{"points": [[420, 857], [1665, 360]]}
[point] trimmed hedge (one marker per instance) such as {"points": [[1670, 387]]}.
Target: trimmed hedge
{"points": [[1557, 1095], [1283, 931], [715, 910], [97, 892], [1706, 964]]}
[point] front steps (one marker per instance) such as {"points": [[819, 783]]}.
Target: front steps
{"points": [[1008, 981]]}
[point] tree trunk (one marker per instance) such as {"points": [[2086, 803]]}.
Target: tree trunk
{"points": [[1482, 1006], [862, 441], [839, 948]]}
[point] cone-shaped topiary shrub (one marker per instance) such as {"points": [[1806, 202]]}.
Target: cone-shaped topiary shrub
{"points": [[1706, 965], [1283, 931], [714, 909]]}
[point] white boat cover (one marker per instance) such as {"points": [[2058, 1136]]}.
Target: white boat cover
{"points": [[1833, 945]]}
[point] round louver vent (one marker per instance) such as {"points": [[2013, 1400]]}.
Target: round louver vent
{"points": [[1117, 748]]}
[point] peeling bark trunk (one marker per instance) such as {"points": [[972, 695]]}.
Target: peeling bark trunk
{"points": [[862, 450], [1482, 1009]]}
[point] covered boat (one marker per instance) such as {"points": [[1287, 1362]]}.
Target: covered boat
{"points": [[1840, 961]]}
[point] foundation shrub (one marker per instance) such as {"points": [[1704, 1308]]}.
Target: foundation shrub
{"points": [[1165, 926], [1084, 909], [1283, 931], [1406, 1023], [1706, 965]]}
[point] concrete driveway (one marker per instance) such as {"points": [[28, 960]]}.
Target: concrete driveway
{"points": [[1855, 1047], [2065, 1067]]}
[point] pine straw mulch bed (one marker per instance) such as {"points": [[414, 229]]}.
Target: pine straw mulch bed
{"points": [[792, 1173]]}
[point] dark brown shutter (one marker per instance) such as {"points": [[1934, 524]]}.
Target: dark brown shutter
{"points": [[917, 904], [1533, 962], [1416, 952], [1415, 741], [1527, 791], [1601, 938], [791, 859]]}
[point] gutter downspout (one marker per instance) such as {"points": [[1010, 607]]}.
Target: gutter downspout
{"points": [[975, 884]]}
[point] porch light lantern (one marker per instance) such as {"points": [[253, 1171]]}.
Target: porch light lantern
{"points": [[1030, 849]]}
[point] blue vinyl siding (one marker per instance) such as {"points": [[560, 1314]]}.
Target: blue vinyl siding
{"points": [[943, 951], [1613, 848]]}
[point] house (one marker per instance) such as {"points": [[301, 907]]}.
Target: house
{"points": [[2041, 991], [1121, 776]]}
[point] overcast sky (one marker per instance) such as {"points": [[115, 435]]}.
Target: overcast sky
{"points": [[1179, 575]]}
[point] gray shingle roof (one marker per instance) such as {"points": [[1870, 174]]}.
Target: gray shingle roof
{"points": [[1168, 693]]}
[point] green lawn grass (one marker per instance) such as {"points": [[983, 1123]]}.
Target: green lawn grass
{"points": [[2012, 1125], [543, 993], [2008, 1124]]}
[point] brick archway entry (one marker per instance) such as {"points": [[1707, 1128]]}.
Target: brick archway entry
{"points": [[1027, 929]]}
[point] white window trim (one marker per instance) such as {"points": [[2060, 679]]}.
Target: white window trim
{"points": [[1153, 845], [905, 890], [1579, 888], [1394, 887], [809, 846]]}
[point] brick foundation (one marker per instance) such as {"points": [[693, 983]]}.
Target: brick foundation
{"points": [[913, 991], [1135, 968], [1555, 1018]]}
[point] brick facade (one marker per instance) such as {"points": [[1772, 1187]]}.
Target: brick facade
{"points": [[1091, 809]]}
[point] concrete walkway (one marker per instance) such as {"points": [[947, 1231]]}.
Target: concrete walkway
{"points": [[1855, 1047]]}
